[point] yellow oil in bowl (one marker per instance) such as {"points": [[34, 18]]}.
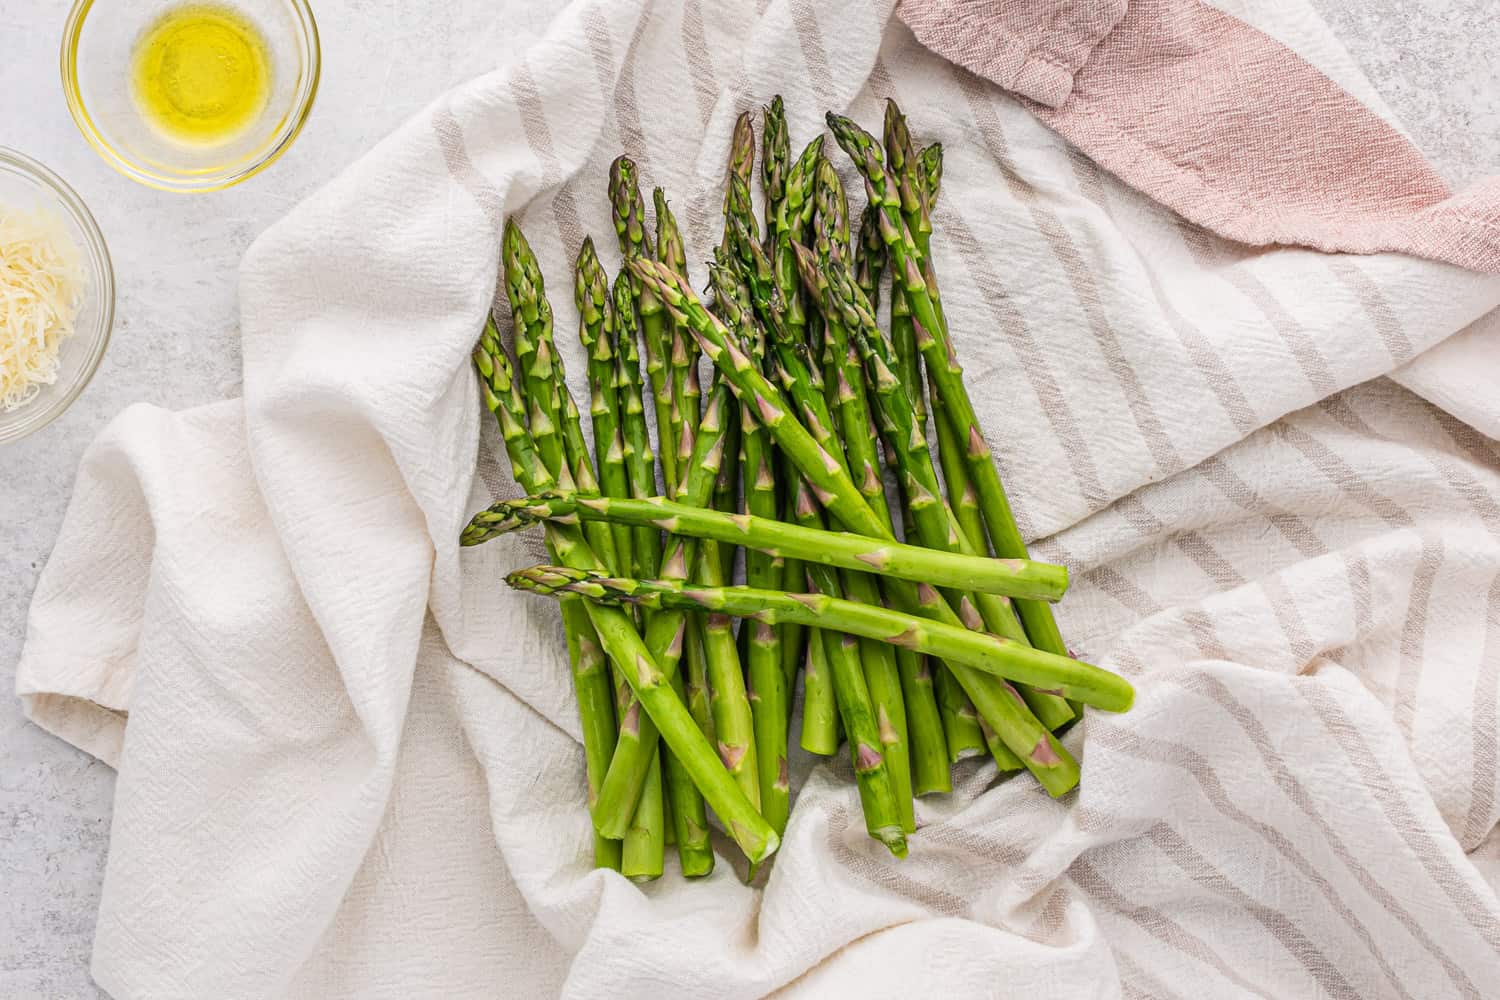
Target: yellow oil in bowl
{"points": [[201, 74]]}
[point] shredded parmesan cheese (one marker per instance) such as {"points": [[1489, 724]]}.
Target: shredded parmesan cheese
{"points": [[42, 283]]}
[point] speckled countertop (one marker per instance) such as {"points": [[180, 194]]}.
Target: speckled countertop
{"points": [[176, 341]]}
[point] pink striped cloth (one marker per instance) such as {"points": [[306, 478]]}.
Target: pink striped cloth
{"points": [[348, 757], [1218, 121]]}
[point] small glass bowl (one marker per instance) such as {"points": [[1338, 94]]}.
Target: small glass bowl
{"points": [[26, 185], [98, 42]]}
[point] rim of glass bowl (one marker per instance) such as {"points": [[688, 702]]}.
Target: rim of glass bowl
{"points": [[101, 269], [307, 91]]}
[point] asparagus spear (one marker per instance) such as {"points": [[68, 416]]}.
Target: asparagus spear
{"points": [[591, 683], [869, 256], [775, 159], [961, 496], [803, 382], [729, 701], [616, 632], [1043, 755], [545, 391], [820, 718], [596, 332], [819, 710], [792, 218], [919, 723], [775, 164], [687, 395], [639, 459], [742, 152], [553, 414], [688, 825], [943, 367], [883, 818], [840, 549], [666, 633], [841, 673], [629, 213], [960, 721], [930, 162], [616, 808], [1014, 661], [555, 418], [769, 700], [929, 514]]}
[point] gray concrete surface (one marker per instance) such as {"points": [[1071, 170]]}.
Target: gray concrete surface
{"points": [[176, 343]]}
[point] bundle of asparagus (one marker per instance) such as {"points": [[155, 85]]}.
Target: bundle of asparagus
{"points": [[916, 651]]}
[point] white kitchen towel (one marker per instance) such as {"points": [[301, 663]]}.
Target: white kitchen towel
{"points": [[347, 754]]}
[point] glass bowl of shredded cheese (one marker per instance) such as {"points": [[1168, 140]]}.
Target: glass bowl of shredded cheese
{"points": [[57, 295]]}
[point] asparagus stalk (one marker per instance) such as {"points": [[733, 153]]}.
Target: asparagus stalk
{"points": [[919, 724], [543, 397], [629, 212], [962, 499], [596, 332], [591, 682], [615, 631], [819, 710], [729, 701], [742, 152], [960, 721], [820, 719], [775, 159], [942, 365], [552, 405], [591, 686], [883, 817], [890, 673], [1043, 755], [553, 414], [769, 700], [776, 163], [841, 674], [667, 633], [687, 395], [929, 514], [869, 256], [885, 797], [839, 549], [617, 804], [639, 458], [643, 850], [1007, 658], [688, 825]]}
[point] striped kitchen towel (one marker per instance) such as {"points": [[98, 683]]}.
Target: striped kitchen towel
{"points": [[347, 757]]}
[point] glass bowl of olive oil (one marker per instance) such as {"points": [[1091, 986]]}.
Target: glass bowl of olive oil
{"points": [[190, 95]]}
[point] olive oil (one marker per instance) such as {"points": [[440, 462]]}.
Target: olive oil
{"points": [[201, 74]]}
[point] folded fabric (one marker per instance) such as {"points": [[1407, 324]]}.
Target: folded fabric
{"points": [[347, 754]]}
